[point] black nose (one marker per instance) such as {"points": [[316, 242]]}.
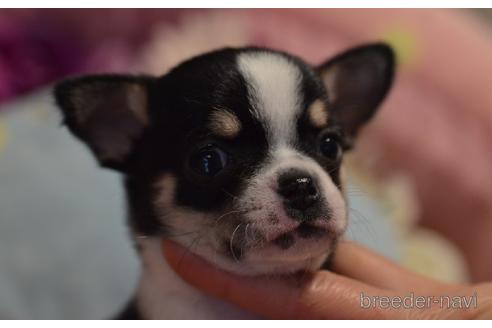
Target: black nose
{"points": [[298, 190]]}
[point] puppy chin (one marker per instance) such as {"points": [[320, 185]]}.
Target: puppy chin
{"points": [[279, 267], [269, 260], [283, 265]]}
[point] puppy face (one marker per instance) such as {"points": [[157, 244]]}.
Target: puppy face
{"points": [[235, 154]]}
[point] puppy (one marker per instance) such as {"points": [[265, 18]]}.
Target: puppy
{"points": [[234, 154]]}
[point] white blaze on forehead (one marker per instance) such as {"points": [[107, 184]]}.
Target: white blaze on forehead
{"points": [[274, 88]]}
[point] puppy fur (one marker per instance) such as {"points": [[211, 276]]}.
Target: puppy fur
{"points": [[234, 154]]}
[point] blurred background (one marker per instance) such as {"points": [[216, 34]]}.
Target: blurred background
{"points": [[420, 178]]}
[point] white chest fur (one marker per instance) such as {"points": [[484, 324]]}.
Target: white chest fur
{"points": [[163, 295]]}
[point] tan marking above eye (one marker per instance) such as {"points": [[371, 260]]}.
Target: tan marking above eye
{"points": [[224, 123], [318, 114]]}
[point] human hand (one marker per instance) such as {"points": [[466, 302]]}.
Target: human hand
{"points": [[346, 293]]}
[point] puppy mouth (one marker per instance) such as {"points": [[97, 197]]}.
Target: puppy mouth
{"points": [[286, 239], [237, 245]]}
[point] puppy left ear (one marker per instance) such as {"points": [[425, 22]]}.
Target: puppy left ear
{"points": [[107, 112], [357, 81]]}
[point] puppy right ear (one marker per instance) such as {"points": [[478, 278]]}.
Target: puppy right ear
{"points": [[357, 81], [107, 112]]}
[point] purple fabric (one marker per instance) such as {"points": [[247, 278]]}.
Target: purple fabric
{"points": [[39, 46], [31, 56]]}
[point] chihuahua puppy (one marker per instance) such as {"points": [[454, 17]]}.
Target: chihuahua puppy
{"points": [[235, 154]]}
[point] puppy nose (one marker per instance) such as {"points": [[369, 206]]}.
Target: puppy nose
{"points": [[298, 190]]}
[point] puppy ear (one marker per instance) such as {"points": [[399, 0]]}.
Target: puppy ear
{"points": [[357, 81], [107, 112]]}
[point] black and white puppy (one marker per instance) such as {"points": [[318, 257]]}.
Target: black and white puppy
{"points": [[234, 154]]}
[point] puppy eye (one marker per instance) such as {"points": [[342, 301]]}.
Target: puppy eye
{"points": [[330, 147], [209, 161]]}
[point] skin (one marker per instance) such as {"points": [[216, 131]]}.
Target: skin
{"points": [[326, 294]]}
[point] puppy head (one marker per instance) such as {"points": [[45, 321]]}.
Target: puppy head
{"points": [[235, 154]]}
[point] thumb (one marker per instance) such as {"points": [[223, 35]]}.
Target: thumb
{"points": [[320, 295]]}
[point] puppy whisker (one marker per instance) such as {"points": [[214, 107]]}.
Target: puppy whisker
{"points": [[189, 248], [231, 242], [246, 234], [216, 221], [360, 218], [173, 235], [234, 197]]}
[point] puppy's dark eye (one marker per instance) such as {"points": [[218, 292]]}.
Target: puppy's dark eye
{"points": [[209, 161], [330, 148]]}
